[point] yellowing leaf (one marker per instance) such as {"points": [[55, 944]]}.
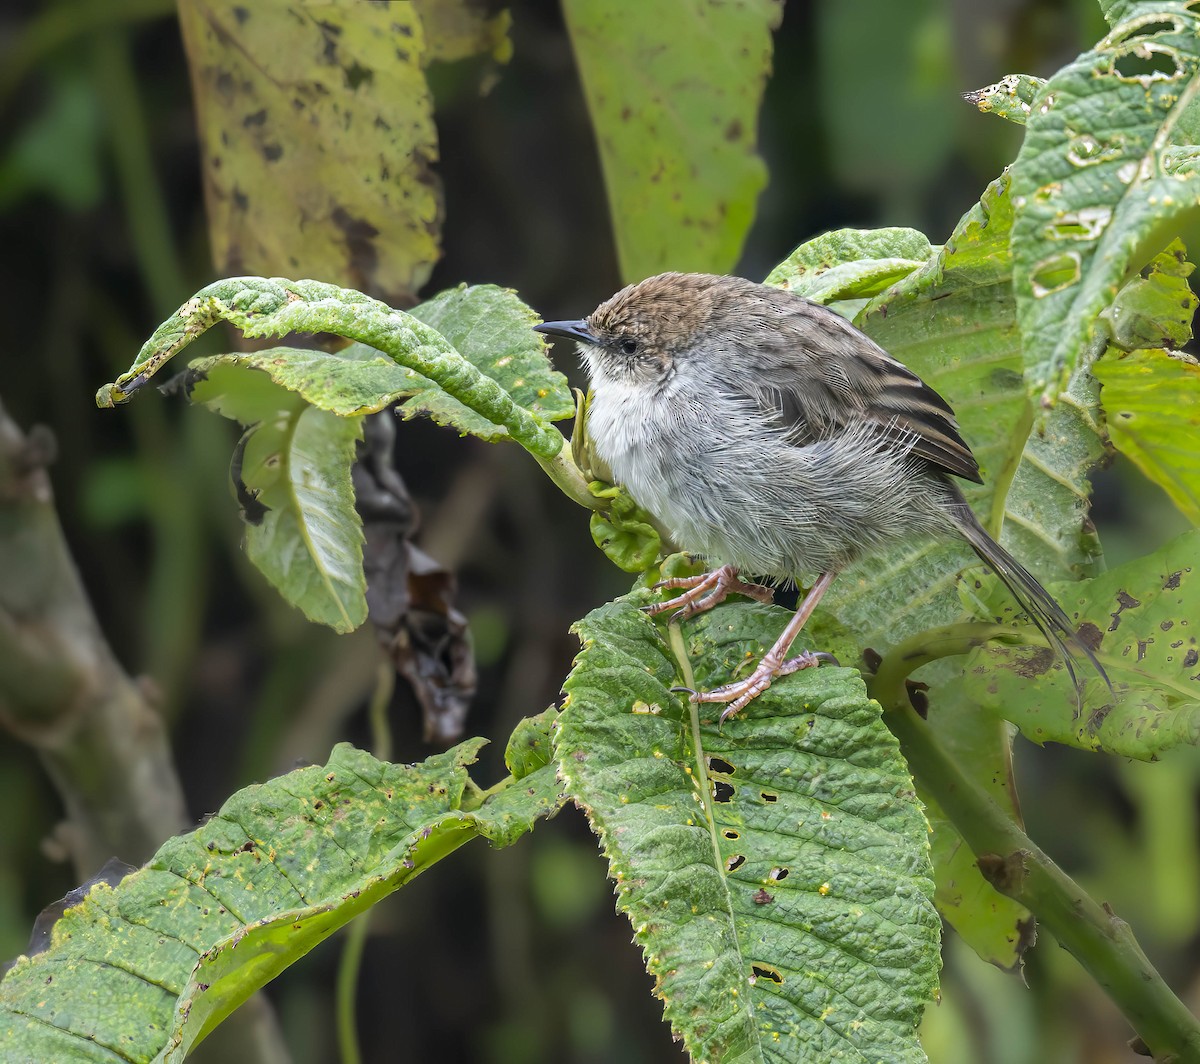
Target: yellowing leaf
{"points": [[318, 142]]}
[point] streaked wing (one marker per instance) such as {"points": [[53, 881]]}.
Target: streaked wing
{"points": [[843, 375]]}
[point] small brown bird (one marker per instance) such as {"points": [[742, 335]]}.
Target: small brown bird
{"points": [[771, 436]]}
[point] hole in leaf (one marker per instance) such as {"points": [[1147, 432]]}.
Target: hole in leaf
{"points": [[1056, 273], [778, 874], [1138, 30], [722, 791], [1085, 150], [767, 796], [731, 835], [1180, 160], [1145, 63], [735, 862], [764, 971], [719, 764]]}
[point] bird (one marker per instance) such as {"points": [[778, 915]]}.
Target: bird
{"points": [[772, 437]]}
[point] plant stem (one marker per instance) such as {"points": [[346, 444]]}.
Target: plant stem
{"points": [[932, 645], [356, 935], [565, 474], [347, 988], [1097, 938]]}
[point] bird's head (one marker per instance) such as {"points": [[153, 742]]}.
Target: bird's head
{"points": [[640, 335]]}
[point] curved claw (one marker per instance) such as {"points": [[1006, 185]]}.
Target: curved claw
{"points": [[683, 691], [806, 659]]}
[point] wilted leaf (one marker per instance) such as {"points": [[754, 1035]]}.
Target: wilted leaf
{"points": [[144, 970], [674, 89], [318, 141], [353, 380], [488, 326], [410, 596], [776, 870], [1152, 399]]}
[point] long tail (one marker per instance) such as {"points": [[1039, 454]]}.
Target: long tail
{"points": [[1047, 614]]}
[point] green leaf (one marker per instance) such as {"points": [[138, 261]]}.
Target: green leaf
{"points": [[488, 326], [277, 307], [1107, 168], [309, 542], [529, 747], [1156, 308], [292, 475], [776, 870], [851, 263], [355, 380], [1116, 11], [1011, 97], [318, 140], [1145, 616], [624, 530], [674, 90], [493, 330], [1152, 399], [145, 970]]}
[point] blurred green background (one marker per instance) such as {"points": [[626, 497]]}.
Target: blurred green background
{"points": [[517, 955]]}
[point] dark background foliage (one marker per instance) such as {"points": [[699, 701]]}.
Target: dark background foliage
{"points": [[515, 955]]}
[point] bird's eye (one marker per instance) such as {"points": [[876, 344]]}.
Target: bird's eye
{"points": [[628, 346]]}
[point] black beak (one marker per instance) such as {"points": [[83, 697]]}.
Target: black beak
{"points": [[572, 330]]}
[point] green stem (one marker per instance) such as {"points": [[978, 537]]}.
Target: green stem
{"points": [[1102, 942], [347, 988], [934, 644], [377, 710], [565, 474], [356, 934]]}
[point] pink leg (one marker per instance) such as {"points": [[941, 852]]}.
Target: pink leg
{"points": [[703, 592], [775, 662]]}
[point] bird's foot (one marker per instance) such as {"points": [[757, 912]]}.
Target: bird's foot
{"points": [[740, 694], [705, 591]]}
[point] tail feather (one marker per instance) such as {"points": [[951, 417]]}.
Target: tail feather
{"points": [[1047, 614]]}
